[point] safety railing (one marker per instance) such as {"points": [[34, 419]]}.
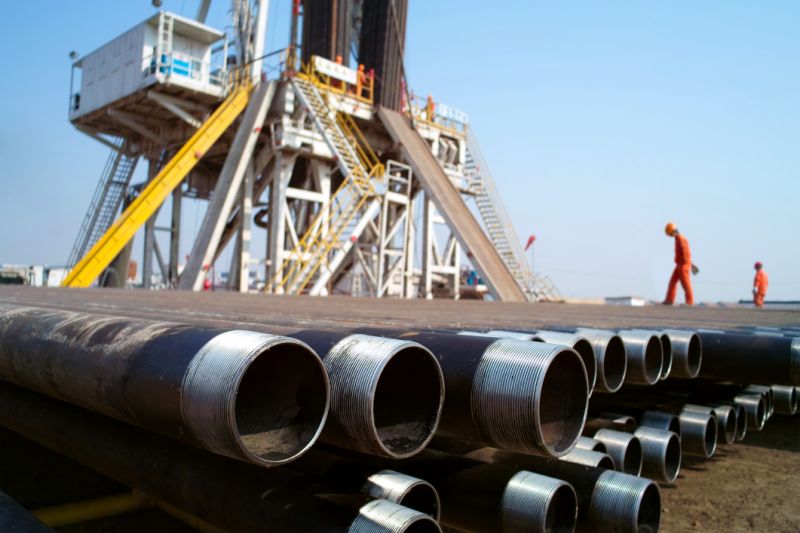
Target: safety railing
{"points": [[435, 114], [363, 89]]}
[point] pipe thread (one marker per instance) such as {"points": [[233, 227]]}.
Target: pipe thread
{"points": [[395, 486], [383, 516], [622, 503], [589, 458], [698, 433], [687, 353], [506, 397], [624, 448], [529, 504]]}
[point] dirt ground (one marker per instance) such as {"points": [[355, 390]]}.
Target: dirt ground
{"points": [[753, 485]]}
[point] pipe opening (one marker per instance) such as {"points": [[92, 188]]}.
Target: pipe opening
{"points": [[741, 422], [563, 400], [666, 354], [653, 360], [728, 421], [672, 458], [585, 350], [282, 402], [561, 511], [710, 436], [605, 462], [614, 364], [694, 355], [422, 497], [761, 413], [408, 401], [649, 516], [632, 459]]}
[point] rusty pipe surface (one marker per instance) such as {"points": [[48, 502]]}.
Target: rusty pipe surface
{"points": [[608, 501], [256, 397], [661, 454], [624, 448], [516, 395], [229, 494], [14, 518], [589, 458], [386, 394], [687, 353], [761, 359]]}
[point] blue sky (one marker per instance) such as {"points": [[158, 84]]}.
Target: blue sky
{"points": [[601, 121]]}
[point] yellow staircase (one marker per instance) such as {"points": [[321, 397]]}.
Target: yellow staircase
{"points": [[154, 194], [324, 243]]}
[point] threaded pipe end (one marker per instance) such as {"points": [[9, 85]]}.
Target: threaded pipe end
{"points": [[386, 395], [530, 397], [532, 502], [624, 448], [622, 503], [256, 397], [404, 490], [698, 433], [383, 516], [589, 458]]}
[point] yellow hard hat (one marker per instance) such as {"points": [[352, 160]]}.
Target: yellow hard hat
{"points": [[670, 228]]}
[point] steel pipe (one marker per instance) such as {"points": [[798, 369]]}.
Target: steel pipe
{"points": [[348, 475], [785, 399], [606, 420], [758, 359], [516, 395], [252, 396], [725, 416], [590, 444], [741, 420], [755, 410], [660, 420], [698, 433], [383, 516], [595, 459], [386, 394], [611, 359], [687, 353], [666, 350], [607, 500], [578, 343], [14, 518], [645, 357], [230, 494], [624, 448], [661, 454], [489, 498], [766, 392]]}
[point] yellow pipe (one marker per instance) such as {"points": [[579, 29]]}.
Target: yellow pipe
{"points": [[84, 511]]}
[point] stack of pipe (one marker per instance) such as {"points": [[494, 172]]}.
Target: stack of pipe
{"points": [[310, 420]]}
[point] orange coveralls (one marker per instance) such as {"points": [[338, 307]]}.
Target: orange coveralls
{"points": [[682, 272], [760, 284]]}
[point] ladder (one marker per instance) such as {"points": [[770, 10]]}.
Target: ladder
{"points": [[499, 227], [327, 244], [106, 202], [154, 194]]}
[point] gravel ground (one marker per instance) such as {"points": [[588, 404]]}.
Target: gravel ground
{"points": [[751, 486]]}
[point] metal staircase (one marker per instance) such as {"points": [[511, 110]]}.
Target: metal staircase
{"points": [[106, 202], [149, 201], [500, 228], [331, 234]]}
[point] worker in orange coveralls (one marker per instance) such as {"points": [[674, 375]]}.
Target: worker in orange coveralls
{"points": [[760, 284], [683, 267]]}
